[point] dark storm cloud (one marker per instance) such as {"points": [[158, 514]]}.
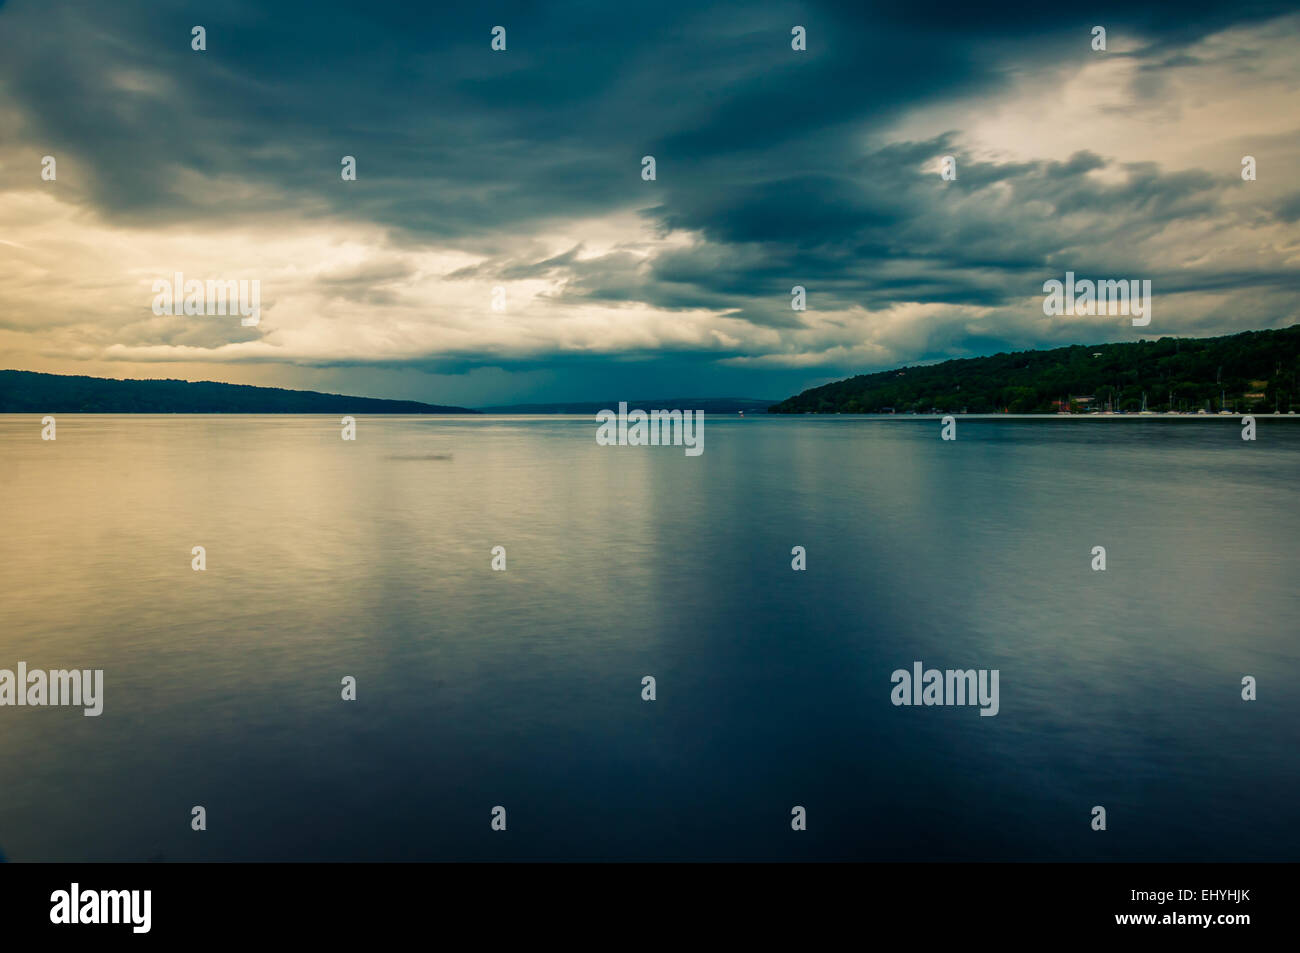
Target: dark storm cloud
{"points": [[895, 232], [1288, 210], [451, 140]]}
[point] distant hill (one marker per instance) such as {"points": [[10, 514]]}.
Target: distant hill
{"points": [[1254, 370], [710, 405], [30, 392]]}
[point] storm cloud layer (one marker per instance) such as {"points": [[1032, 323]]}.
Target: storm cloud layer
{"points": [[522, 170]]}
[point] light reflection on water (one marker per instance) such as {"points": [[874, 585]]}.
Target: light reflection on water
{"points": [[477, 688]]}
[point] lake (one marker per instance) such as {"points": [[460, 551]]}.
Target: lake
{"points": [[522, 688]]}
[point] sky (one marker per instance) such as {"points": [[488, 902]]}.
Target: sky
{"points": [[522, 170]]}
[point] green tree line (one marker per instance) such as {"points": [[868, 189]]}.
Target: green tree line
{"points": [[1254, 371], [31, 392]]}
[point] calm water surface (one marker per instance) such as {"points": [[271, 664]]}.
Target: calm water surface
{"points": [[522, 688]]}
